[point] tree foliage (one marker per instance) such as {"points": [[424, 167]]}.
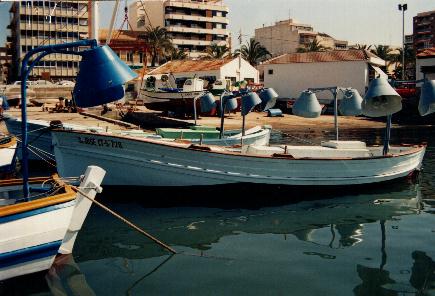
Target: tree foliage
{"points": [[159, 43], [215, 51], [314, 45], [253, 52]]}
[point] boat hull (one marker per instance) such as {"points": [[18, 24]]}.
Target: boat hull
{"points": [[33, 232], [168, 101], [144, 162], [30, 243]]}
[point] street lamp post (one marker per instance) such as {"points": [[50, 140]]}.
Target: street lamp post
{"points": [[403, 8]]}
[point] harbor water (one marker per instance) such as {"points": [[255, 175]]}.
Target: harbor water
{"points": [[370, 241]]}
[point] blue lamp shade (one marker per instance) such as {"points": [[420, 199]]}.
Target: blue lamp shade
{"points": [[381, 99], [101, 77], [351, 103], [249, 101], [268, 98], [231, 104], [307, 105], [426, 105], [208, 102]]}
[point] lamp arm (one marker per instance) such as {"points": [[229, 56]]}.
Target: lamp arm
{"points": [[25, 72]]}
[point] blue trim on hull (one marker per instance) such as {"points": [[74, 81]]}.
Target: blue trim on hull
{"points": [[36, 212], [29, 254]]}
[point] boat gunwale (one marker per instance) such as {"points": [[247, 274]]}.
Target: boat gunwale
{"points": [[414, 150], [9, 144], [56, 199]]}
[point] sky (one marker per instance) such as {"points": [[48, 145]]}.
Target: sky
{"points": [[357, 21]]}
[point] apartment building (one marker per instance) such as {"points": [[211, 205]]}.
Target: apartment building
{"points": [[193, 24], [424, 30], [288, 35], [36, 23]]}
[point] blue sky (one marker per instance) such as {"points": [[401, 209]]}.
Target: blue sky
{"points": [[358, 21]]}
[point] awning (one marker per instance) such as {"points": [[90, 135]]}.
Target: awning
{"points": [[379, 71]]}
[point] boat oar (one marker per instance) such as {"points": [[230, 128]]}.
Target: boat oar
{"points": [[137, 228]]}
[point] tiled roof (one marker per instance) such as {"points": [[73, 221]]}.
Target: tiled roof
{"points": [[323, 56], [427, 53], [190, 66]]}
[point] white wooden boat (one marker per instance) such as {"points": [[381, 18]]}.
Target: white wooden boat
{"points": [[165, 92], [8, 149], [33, 232], [40, 134], [133, 161]]}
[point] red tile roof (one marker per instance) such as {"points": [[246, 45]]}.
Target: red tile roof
{"points": [[190, 66], [323, 56], [427, 53]]}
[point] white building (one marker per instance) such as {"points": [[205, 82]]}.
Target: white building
{"points": [[425, 64], [193, 25], [290, 74], [229, 69]]}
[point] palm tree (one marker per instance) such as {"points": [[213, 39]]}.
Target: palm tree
{"points": [[215, 51], [363, 46], [253, 52], [314, 45], [176, 54], [384, 52], [159, 43]]}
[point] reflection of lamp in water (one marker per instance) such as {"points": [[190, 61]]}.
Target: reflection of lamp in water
{"points": [[100, 80], [382, 100]]}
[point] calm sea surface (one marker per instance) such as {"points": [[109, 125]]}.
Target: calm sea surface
{"points": [[377, 242]]}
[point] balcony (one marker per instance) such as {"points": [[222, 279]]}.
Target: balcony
{"points": [[193, 5], [192, 42], [179, 29], [215, 19]]}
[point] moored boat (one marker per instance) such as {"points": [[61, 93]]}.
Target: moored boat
{"points": [[156, 163], [35, 229]]}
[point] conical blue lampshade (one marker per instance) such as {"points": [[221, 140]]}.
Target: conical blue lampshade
{"points": [[351, 103], [249, 101], [208, 102], [231, 104], [426, 105], [381, 99], [307, 105], [268, 98], [101, 77]]}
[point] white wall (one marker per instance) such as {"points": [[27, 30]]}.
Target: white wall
{"points": [[289, 80], [246, 70], [424, 62]]}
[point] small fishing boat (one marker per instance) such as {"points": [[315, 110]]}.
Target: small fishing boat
{"points": [[165, 91], [8, 150], [35, 229], [156, 163]]}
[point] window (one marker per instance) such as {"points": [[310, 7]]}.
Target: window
{"points": [[270, 71]]}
